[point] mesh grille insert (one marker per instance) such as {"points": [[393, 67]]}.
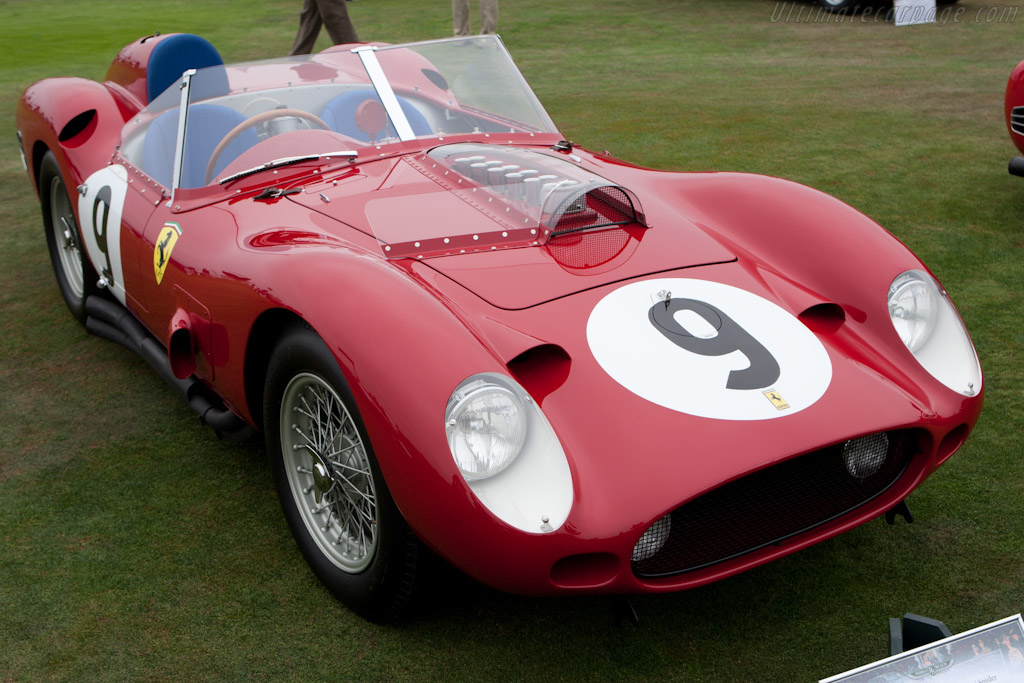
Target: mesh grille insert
{"points": [[604, 206], [779, 502], [1017, 120], [587, 249]]}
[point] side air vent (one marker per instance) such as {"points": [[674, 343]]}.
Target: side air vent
{"points": [[823, 318], [78, 129], [541, 369]]}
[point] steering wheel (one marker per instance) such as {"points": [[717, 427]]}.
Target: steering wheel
{"points": [[260, 103], [249, 123]]}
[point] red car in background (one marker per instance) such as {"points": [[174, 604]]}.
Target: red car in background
{"points": [[1015, 116], [562, 372]]}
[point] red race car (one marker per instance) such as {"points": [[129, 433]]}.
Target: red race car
{"points": [[1015, 116], [562, 372]]}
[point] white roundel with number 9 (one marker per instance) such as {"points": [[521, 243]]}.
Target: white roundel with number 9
{"points": [[708, 349], [99, 209]]}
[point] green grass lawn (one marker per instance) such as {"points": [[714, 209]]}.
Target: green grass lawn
{"points": [[134, 544]]}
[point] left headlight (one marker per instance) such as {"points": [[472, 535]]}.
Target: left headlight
{"points": [[927, 322], [508, 453]]}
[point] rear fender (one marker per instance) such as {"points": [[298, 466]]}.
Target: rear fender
{"points": [[77, 119]]}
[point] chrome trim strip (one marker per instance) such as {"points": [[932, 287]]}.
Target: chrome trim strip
{"points": [[368, 55]]}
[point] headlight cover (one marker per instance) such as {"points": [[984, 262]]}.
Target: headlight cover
{"points": [[508, 453], [929, 325], [486, 425]]}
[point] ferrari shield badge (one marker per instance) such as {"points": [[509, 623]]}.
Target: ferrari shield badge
{"points": [[164, 246], [776, 399]]}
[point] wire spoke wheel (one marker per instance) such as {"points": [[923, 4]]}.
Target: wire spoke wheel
{"points": [[328, 472], [75, 277], [332, 491], [65, 237]]}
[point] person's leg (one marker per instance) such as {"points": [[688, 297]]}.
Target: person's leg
{"points": [[309, 28], [488, 16], [460, 17], [335, 17]]}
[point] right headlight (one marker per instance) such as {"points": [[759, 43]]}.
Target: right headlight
{"points": [[486, 426], [508, 453], [929, 325]]}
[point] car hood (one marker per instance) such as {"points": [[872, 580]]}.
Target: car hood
{"points": [[521, 278], [508, 246]]}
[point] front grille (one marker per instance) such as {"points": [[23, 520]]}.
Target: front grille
{"points": [[773, 504], [1017, 120]]}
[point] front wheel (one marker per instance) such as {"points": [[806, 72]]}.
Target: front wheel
{"points": [[331, 489], [75, 276]]}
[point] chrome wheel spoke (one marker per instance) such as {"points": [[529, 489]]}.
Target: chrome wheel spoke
{"points": [[344, 466], [329, 472], [65, 237], [352, 488]]}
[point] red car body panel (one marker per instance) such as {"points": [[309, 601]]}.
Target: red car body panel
{"points": [[406, 332], [1015, 100]]}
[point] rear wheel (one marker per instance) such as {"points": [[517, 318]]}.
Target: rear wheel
{"points": [[75, 276], [330, 486]]}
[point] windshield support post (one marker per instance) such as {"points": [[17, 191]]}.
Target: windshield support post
{"points": [[179, 150], [368, 56]]}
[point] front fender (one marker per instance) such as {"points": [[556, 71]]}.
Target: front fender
{"points": [[403, 347], [812, 251], [791, 229], [1015, 98]]}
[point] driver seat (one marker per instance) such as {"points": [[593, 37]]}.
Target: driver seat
{"points": [[207, 126], [177, 53]]}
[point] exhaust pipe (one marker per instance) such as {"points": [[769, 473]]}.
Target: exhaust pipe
{"points": [[114, 323]]}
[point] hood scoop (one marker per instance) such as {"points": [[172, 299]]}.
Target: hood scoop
{"points": [[528, 196], [502, 228]]}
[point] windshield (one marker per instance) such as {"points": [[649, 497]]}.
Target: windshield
{"points": [[242, 117]]}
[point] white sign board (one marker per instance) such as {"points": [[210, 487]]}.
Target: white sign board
{"points": [[989, 654], [910, 12]]}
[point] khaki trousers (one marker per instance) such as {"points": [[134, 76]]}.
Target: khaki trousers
{"points": [[488, 16]]}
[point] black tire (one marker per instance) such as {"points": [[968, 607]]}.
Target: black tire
{"points": [[365, 553], [76, 278]]}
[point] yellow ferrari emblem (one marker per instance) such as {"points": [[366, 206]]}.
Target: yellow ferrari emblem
{"points": [[164, 245], [776, 399]]}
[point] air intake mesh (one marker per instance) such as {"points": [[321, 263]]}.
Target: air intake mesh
{"points": [[776, 503]]}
